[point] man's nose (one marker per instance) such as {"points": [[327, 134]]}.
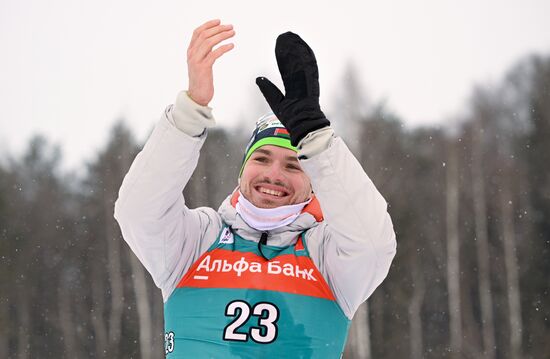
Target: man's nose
{"points": [[275, 173]]}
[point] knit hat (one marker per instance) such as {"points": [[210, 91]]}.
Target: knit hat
{"points": [[268, 131]]}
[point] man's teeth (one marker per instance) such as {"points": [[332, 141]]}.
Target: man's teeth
{"points": [[271, 192]]}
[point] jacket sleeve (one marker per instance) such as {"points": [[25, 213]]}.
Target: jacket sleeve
{"points": [[165, 235], [355, 245]]}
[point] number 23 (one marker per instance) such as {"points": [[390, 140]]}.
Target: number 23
{"points": [[264, 333]]}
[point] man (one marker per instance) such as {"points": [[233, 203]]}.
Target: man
{"points": [[279, 270]]}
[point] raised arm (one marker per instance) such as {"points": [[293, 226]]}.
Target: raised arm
{"points": [[355, 245], [164, 234]]}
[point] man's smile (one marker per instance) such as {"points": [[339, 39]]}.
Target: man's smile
{"points": [[271, 191]]}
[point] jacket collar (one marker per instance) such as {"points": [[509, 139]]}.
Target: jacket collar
{"points": [[284, 236]]}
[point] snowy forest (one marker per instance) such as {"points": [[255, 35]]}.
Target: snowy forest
{"points": [[469, 199]]}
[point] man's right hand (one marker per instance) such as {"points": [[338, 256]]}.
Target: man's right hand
{"points": [[201, 56]]}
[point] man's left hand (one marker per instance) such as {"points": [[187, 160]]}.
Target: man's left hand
{"points": [[298, 109]]}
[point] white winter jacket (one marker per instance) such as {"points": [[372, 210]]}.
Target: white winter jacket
{"points": [[352, 247]]}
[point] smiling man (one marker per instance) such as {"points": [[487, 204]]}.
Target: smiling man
{"points": [[279, 270]]}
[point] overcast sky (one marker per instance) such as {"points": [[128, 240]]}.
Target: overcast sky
{"points": [[69, 68]]}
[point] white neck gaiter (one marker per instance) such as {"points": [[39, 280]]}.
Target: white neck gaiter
{"points": [[266, 219]]}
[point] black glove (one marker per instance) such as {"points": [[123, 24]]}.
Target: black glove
{"points": [[298, 109]]}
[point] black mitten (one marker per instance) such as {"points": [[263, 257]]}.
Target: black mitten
{"points": [[298, 109]]}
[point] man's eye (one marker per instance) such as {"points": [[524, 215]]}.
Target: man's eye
{"points": [[260, 159], [293, 167]]}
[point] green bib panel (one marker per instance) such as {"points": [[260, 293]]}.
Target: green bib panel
{"points": [[233, 303]]}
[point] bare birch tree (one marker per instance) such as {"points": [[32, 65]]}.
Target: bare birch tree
{"points": [[453, 252], [6, 297], [416, 339], [482, 242], [115, 281], [512, 272]]}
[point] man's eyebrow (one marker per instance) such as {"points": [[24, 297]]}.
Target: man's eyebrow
{"points": [[264, 151]]}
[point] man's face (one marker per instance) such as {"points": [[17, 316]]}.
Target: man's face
{"points": [[273, 177]]}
